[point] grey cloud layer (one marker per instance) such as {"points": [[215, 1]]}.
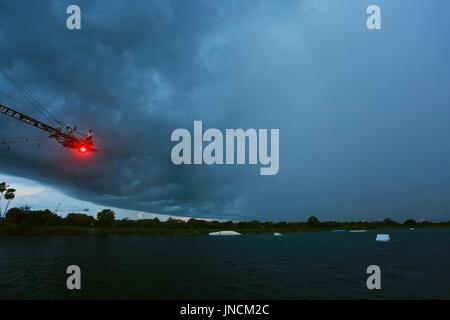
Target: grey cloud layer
{"points": [[357, 112], [125, 75]]}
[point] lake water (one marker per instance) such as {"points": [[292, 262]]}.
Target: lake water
{"points": [[322, 265]]}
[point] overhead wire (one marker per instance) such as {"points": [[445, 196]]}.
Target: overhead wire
{"points": [[32, 100]]}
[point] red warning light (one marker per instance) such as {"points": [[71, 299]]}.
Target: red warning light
{"points": [[83, 149]]}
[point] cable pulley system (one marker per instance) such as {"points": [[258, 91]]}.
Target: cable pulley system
{"points": [[67, 136]]}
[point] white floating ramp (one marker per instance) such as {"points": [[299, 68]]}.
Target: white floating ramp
{"points": [[225, 233], [382, 237]]}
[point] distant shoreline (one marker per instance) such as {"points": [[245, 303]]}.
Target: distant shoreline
{"points": [[23, 221], [14, 230]]}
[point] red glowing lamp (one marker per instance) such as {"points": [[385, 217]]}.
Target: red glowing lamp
{"points": [[82, 149]]}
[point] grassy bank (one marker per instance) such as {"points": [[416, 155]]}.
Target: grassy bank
{"points": [[24, 230], [23, 221]]}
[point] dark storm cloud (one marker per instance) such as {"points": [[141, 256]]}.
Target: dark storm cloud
{"points": [[125, 74], [363, 116]]}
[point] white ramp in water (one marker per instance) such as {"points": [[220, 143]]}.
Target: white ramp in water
{"points": [[225, 233], [382, 237]]}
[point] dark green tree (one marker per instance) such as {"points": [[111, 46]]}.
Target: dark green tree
{"points": [[313, 222], [79, 220], [389, 222], [16, 216], [410, 222], [106, 218]]}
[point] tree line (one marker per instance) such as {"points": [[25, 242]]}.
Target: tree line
{"points": [[106, 218]]}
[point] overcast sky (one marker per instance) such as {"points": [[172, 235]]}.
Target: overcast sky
{"points": [[364, 116], [39, 197]]}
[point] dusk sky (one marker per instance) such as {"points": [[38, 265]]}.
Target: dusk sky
{"points": [[364, 115]]}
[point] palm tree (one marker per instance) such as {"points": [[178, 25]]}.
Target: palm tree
{"points": [[3, 187], [9, 195]]}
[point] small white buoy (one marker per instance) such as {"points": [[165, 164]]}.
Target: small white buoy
{"points": [[224, 233], [277, 234], [382, 237]]}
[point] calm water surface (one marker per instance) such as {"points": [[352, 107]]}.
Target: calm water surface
{"points": [[322, 265]]}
